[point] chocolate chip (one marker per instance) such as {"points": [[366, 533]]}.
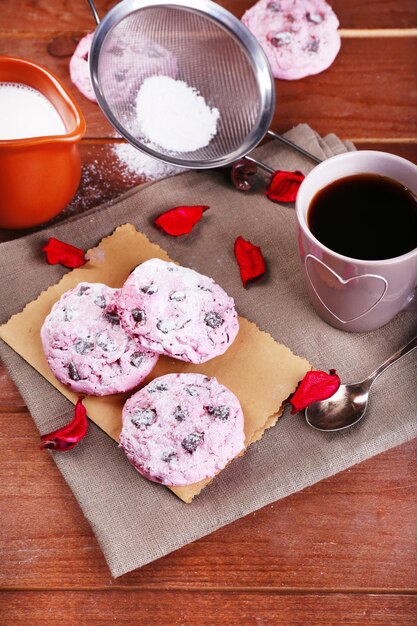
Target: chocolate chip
{"points": [[82, 346], [179, 414], [139, 316], [68, 315], [105, 342], [203, 288], [314, 18], [149, 289], [280, 39], [120, 76], [192, 441], [213, 319], [273, 6], [166, 326], [101, 301], [192, 391], [117, 51], [167, 456], [220, 412], [143, 417], [73, 373], [152, 53], [178, 296], [83, 289], [157, 387], [113, 317], [313, 45], [137, 359]]}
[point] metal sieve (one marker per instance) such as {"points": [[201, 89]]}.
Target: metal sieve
{"points": [[195, 41]]}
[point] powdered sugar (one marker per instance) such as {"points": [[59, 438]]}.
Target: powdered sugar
{"points": [[172, 115], [143, 165]]}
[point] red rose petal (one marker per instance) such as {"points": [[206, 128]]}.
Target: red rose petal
{"points": [[315, 386], [284, 186], [57, 251], [68, 436], [250, 260], [181, 219]]}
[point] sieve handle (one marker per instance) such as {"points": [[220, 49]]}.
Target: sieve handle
{"points": [[260, 164], [94, 11], [294, 146]]}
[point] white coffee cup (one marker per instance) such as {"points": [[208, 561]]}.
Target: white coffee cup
{"points": [[353, 294]]}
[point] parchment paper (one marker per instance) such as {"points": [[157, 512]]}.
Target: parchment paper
{"points": [[261, 372]]}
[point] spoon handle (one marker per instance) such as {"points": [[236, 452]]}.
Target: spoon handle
{"points": [[411, 345]]}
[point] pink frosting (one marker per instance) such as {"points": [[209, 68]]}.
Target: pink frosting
{"points": [[87, 349], [176, 311], [80, 70], [182, 428], [299, 37]]}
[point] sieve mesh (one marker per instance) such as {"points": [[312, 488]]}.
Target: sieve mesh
{"points": [[189, 44]]}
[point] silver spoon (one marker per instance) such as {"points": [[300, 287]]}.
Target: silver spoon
{"points": [[348, 405]]}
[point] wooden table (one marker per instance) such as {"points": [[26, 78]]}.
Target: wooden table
{"points": [[341, 552]]}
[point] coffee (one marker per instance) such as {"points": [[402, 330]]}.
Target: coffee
{"points": [[365, 216]]}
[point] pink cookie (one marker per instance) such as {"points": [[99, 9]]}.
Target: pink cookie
{"points": [[79, 68], [175, 311], [299, 37], [182, 428], [87, 349]]}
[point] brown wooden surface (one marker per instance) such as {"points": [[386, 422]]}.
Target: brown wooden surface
{"points": [[343, 551]]}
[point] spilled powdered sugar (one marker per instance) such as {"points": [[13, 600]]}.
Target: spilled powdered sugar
{"points": [[139, 163]]}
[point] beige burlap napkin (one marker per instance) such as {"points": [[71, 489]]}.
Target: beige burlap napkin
{"points": [[136, 521]]}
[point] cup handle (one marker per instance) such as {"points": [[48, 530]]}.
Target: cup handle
{"points": [[411, 302]]}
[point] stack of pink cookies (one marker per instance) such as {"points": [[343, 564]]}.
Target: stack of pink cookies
{"points": [[180, 428]]}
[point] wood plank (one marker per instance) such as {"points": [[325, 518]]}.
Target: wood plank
{"points": [[343, 533], [63, 15], [203, 608], [10, 399], [357, 90], [404, 150]]}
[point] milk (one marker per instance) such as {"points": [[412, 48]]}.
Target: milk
{"points": [[25, 112]]}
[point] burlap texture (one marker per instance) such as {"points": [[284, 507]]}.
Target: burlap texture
{"points": [[136, 521]]}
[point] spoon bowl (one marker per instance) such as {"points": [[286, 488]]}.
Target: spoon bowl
{"points": [[348, 405], [344, 409]]}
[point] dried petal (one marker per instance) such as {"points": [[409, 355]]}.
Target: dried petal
{"points": [[284, 186], [250, 260], [243, 174], [315, 386], [67, 437], [180, 220], [57, 251]]}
